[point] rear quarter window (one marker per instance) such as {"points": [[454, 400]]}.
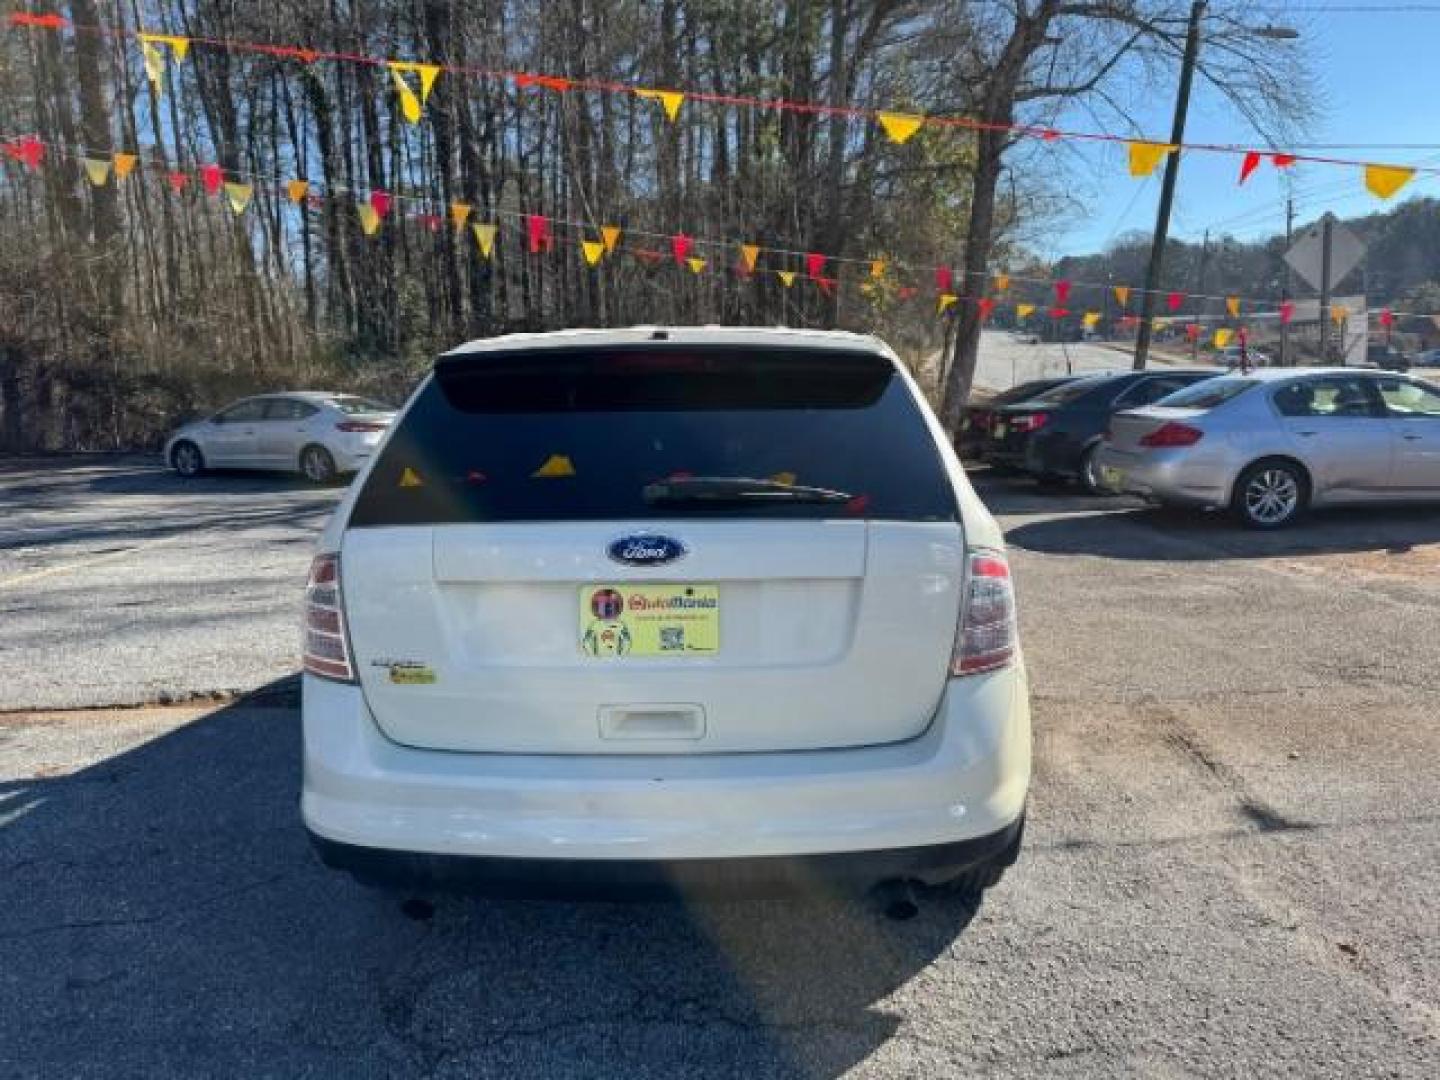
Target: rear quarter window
{"points": [[1208, 394], [561, 435]]}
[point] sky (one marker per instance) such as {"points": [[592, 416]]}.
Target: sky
{"points": [[1379, 67]]}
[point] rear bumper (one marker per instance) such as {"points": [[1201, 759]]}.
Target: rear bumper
{"points": [[963, 780], [570, 878], [1162, 476]]}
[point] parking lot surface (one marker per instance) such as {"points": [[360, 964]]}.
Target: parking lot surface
{"points": [[1230, 869]]}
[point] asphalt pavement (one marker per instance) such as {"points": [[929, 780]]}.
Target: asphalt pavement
{"points": [[1230, 869]]}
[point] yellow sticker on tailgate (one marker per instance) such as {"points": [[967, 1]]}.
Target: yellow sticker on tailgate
{"points": [[650, 620]]}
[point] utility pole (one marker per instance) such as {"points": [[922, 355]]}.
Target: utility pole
{"points": [[1285, 281], [1328, 224], [1200, 295], [1167, 187]]}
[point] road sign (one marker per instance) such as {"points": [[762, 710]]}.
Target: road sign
{"points": [[1308, 253]]}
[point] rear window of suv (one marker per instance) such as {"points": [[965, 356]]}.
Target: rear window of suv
{"points": [[568, 435]]}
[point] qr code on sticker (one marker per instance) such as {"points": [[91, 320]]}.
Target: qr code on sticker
{"points": [[672, 638]]}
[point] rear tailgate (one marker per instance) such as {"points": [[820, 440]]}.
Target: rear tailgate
{"points": [[488, 612]]}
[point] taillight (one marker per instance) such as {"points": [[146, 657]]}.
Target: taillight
{"points": [[986, 639], [1028, 422], [327, 649], [1172, 434], [361, 425]]}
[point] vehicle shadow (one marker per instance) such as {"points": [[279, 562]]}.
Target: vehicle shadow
{"points": [[1185, 536], [161, 913]]}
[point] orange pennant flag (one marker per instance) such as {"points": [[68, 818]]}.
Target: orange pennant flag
{"points": [[459, 214], [877, 268], [1145, 156], [1122, 295], [787, 276], [124, 164], [484, 239], [1385, 180], [749, 253], [369, 218], [594, 251], [899, 126], [1232, 305], [670, 100], [610, 237], [1339, 313], [297, 190], [1002, 282], [410, 103], [695, 263]]}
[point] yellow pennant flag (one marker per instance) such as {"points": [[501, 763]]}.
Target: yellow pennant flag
{"points": [[1122, 295], [899, 126], [1024, 311], [459, 214], [610, 237], [238, 195], [1159, 324], [750, 253], [97, 170], [670, 100], [410, 479], [695, 263], [877, 268], [1339, 313], [555, 466], [296, 190], [1222, 337], [369, 218], [155, 60], [1090, 319], [1145, 156], [484, 239], [1232, 305], [1386, 180], [410, 104], [945, 301], [1002, 282], [124, 165], [786, 276], [594, 250]]}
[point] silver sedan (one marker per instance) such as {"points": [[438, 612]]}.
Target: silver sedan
{"points": [[317, 434], [1274, 442]]}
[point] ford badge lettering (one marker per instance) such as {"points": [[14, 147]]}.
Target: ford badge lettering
{"points": [[645, 550]]}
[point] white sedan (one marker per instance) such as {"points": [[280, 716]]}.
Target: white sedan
{"points": [[317, 434]]}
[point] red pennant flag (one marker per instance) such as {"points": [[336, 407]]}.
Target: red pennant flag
{"points": [[1174, 300], [1059, 312], [986, 306], [1249, 165], [549, 82], [40, 22], [1192, 330], [28, 149], [1287, 312], [680, 247], [537, 233], [944, 279], [177, 181], [1050, 135], [212, 176], [907, 292], [814, 265], [1283, 161], [826, 284], [1062, 292], [1129, 320], [430, 221], [1387, 318], [380, 203], [648, 255]]}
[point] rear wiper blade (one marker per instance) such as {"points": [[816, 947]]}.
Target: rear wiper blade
{"points": [[737, 489]]}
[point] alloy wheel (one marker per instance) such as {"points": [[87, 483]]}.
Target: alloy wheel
{"points": [[186, 459], [1272, 496], [315, 463]]}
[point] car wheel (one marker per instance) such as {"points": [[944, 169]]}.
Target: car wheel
{"points": [[1271, 494], [187, 460], [317, 465], [1090, 472]]}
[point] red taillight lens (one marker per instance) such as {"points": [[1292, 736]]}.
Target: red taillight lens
{"points": [[361, 425], [1028, 422], [986, 639], [1172, 434], [326, 648]]}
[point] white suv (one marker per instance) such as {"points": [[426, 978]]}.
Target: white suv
{"points": [[682, 607]]}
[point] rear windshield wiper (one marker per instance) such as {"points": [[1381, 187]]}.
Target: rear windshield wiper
{"points": [[723, 489]]}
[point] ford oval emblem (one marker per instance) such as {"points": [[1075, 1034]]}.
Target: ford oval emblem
{"points": [[645, 549]]}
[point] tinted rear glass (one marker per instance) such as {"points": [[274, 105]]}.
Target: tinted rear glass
{"points": [[1207, 394], [355, 406], [577, 435], [1070, 391]]}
